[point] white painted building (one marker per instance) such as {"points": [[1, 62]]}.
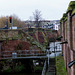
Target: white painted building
{"points": [[55, 27], [14, 27]]}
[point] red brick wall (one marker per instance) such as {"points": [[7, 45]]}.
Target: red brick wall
{"points": [[73, 31], [68, 29], [72, 58], [65, 45], [12, 45], [62, 38], [64, 54], [66, 49], [68, 60], [68, 32], [65, 30]]}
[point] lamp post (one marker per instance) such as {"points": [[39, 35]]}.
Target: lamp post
{"points": [[64, 42], [71, 63], [7, 21]]}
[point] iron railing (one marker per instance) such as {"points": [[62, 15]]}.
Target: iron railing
{"points": [[44, 69], [22, 53]]}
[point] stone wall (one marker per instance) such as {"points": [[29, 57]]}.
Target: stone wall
{"points": [[43, 35], [18, 40]]}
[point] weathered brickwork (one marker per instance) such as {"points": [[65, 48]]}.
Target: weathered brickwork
{"points": [[68, 60], [68, 33], [73, 31], [72, 58]]}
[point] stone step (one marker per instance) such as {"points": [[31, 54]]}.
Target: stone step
{"points": [[50, 73], [52, 69]]}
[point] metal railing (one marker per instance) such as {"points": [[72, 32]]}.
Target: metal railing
{"points": [[22, 53], [44, 69]]}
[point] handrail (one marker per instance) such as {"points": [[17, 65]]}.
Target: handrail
{"points": [[21, 50], [44, 69], [22, 53]]}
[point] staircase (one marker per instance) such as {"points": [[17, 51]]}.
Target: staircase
{"points": [[52, 68]]}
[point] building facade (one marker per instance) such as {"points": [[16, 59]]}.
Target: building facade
{"points": [[48, 24]]}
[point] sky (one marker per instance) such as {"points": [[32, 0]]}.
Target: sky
{"points": [[50, 9]]}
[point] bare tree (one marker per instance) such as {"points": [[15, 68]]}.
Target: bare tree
{"points": [[2, 21], [37, 17]]}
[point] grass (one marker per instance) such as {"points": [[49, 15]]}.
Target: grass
{"points": [[60, 66], [38, 68]]}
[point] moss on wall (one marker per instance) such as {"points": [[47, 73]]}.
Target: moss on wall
{"points": [[71, 8], [64, 17], [73, 12]]}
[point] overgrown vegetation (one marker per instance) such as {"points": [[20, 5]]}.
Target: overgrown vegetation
{"points": [[60, 66], [38, 68], [71, 8], [19, 68]]}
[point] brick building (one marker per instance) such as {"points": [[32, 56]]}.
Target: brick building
{"points": [[68, 33]]}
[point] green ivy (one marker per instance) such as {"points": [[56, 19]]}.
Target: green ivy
{"points": [[19, 68]]}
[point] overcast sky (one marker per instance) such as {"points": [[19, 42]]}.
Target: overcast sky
{"points": [[50, 9]]}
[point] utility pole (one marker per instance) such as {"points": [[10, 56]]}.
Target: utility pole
{"points": [[7, 21]]}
